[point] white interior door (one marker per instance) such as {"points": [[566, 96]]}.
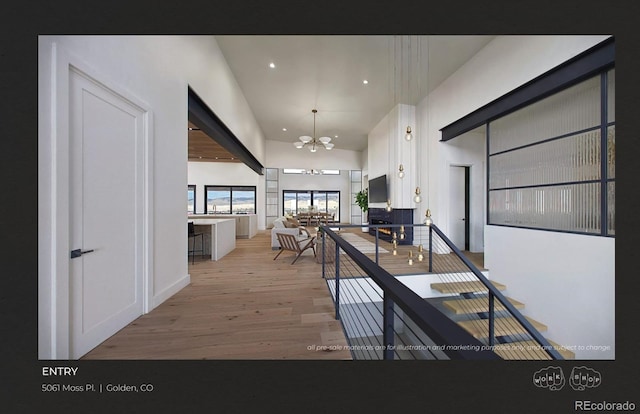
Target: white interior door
{"points": [[106, 194], [457, 199]]}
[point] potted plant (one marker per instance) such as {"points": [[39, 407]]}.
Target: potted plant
{"points": [[362, 200]]}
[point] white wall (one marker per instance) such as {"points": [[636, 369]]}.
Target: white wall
{"points": [[156, 70], [225, 173], [566, 281], [284, 155], [387, 149], [537, 266], [468, 150], [379, 158]]}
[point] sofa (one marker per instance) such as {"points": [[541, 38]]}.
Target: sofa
{"points": [[289, 226]]}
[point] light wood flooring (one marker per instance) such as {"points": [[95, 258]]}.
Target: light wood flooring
{"points": [[247, 306], [244, 306]]}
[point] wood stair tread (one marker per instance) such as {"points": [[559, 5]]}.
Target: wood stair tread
{"points": [[477, 305], [479, 328], [464, 287], [531, 350]]}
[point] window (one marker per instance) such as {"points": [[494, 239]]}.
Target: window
{"points": [[230, 199], [552, 163], [295, 202], [191, 199]]}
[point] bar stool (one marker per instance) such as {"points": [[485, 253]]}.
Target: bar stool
{"points": [[191, 233]]}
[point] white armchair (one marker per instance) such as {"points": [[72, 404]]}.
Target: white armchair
{"points": [[279, 226]]}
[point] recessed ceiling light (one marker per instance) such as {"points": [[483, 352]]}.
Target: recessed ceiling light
{"points": [[284, 129], [272, 65], [365, 81], [335, 136]]}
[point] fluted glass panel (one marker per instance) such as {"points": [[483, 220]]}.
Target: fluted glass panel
{"points": [[272, 186], [611, 95], [574, 109], [565, 207], [272, 174], [611, 208], [272, 210], [611, 152], [570, 159]]}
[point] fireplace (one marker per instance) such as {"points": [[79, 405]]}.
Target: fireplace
{"points": [[380, 216]]}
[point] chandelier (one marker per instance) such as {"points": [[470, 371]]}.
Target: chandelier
{"points": [[311, 141]]}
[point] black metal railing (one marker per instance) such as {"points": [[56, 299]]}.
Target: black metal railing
{"points": [[384, 319], [381, 317], [493, 318]]}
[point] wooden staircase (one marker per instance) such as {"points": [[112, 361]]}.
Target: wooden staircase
{"points": [[504, 327]]}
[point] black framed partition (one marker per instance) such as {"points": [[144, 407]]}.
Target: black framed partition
{"points": [[551, 148]]}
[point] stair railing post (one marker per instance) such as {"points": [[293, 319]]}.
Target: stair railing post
{"points": [[337, 260], [324, 243], [377, 243], [491, 319], [430, 249], [387, 323]]}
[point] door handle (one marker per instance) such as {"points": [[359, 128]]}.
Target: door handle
{"points": [[78, 252], [462, 219]]}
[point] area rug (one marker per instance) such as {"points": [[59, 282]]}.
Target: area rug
{"points": [[365, 246]]}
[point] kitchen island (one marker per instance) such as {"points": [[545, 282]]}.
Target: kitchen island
{"points": [[246, 224], [221, 234]]}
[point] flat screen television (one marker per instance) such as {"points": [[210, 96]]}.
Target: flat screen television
{"points": [[378, 189]]}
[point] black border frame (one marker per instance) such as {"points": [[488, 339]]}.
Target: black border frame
{"points": [[248, 386]]}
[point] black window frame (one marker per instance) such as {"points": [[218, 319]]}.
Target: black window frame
{"points": [[311, 195], [231, 189], [195, 197]]}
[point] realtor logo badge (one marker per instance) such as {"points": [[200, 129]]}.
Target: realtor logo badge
{"points": [[551, 378]]}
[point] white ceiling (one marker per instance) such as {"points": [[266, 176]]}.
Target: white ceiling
{"points": [[327, 73]]}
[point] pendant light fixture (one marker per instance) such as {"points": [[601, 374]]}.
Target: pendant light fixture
{"points": [[311, 141], [428, 221], [408, 136], [392, 93], [427, 218], [401, 167], [417, 198], [410, 259]]}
